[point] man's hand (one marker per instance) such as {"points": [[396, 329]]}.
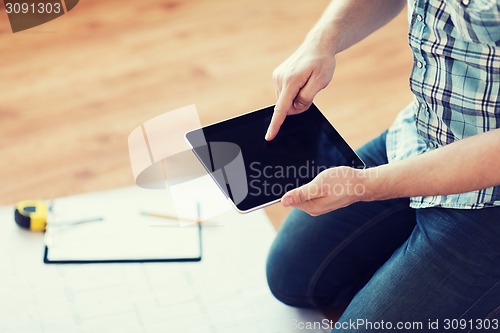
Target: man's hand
{"points": [[332, 189], [311, 67], [466, 165], [298, 80]]}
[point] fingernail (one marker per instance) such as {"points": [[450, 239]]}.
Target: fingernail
{"points": [[287, 202]]}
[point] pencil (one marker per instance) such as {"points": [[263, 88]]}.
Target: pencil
{"points": [[169, 217], [70, 223]]}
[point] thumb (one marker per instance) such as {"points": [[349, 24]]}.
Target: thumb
{"points": [[307, 192], [306, 95]]}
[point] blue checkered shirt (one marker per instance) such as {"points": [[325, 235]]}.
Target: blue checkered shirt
{"points": [[456, 83]]}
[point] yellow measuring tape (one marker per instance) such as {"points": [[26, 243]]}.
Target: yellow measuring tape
{"points": [[32, 215]]}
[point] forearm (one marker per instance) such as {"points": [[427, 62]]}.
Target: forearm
{"points": [[466, 165], [346, 22]]}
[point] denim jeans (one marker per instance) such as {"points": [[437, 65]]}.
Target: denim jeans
{"points": [[392, 263]]}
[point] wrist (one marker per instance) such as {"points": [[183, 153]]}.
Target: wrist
{"points": [[325, 38], [374, 186]]}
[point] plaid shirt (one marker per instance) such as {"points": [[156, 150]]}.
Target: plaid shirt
{"points": [[456, 84]]}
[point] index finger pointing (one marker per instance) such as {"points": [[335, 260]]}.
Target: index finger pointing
{"points": [[281, 110], [276, 122]]}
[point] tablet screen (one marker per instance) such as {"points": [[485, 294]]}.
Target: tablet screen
{"points": [[253, 172]]}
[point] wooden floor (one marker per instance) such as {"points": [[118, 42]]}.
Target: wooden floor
{"points": [[72, 90]]}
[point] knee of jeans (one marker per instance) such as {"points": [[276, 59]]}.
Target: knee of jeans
{"points": [[282, 278], [278, 278]]}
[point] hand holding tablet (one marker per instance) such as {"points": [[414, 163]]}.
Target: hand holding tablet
{"points": [[253, 172]]}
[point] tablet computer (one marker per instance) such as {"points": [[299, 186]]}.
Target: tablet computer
{"points": [[252, 172]]}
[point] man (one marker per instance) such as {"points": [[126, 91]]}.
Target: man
{"points": [[421, 242]]}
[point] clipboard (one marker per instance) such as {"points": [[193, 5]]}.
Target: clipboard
{"points": [[195, 258], [108, 227]]}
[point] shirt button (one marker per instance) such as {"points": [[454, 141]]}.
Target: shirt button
{"points": [[420, 18], [465, 2], [419, 64]]}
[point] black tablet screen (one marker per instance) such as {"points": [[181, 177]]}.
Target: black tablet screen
{"points": [[260, 171]]}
